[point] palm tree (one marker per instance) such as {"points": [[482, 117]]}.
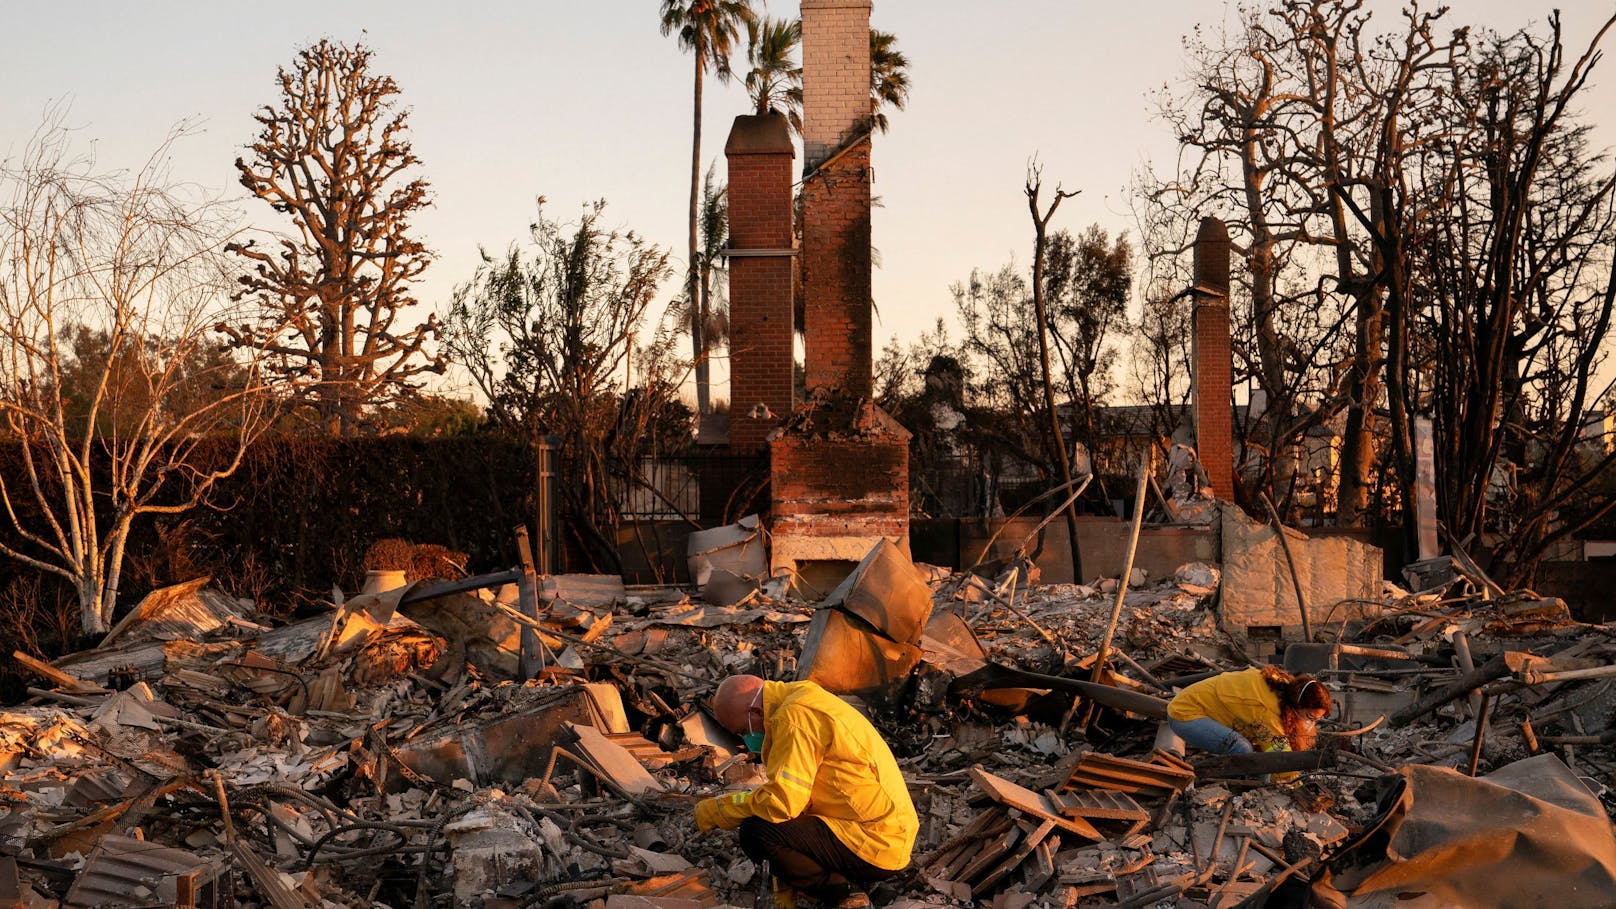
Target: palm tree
{"points": [[889, 76], [708, 29], [710, 263], [775, 80]]}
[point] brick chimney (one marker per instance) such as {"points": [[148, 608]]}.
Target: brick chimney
{"points": [[760, 264], [1212, 363], [836, 195], [839, 468]]}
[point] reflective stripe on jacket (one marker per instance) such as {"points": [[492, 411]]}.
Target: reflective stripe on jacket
{"points": [[823, 758]]}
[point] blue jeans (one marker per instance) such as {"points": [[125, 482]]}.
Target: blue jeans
{"points": [[1208, 734]]}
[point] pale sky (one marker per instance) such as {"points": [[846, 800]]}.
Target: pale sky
{"points": [[583, 100]]}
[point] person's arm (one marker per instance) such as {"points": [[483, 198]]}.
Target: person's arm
{"points": [[1255, 720], [794, 760]]}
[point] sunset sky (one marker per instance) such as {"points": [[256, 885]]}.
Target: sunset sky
{"points": [[578, 101]]}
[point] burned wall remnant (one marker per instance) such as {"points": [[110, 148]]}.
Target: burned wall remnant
{"points": [[839, 472], [760, 255], [1213, 366], [1340, 577]]}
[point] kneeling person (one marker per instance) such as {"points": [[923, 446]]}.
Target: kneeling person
{"points": [[835, 814]]}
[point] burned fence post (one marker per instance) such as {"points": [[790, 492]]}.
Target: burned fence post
{"points": [[545, 552]]}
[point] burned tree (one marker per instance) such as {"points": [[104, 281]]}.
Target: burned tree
{"points": [[116, 399], [1421, 213], [1510, 321], [1303, 122], [549, 335], [333, 154]]}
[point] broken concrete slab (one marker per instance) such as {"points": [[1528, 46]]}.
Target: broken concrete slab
{"points": [[489, 849], [886, 591]]}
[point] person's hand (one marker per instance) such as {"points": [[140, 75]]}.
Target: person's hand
{"points": [[707, 814]]}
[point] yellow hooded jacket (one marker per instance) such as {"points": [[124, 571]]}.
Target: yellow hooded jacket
{"points": [[825, 759], [1241, 700]]}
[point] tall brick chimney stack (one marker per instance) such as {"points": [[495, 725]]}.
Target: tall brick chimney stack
{"points": [[836, 195], [1212, 362], [839, 468], [760, 181]]}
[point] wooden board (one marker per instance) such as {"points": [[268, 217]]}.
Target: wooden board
{"points": [[979, 827], [1169, 759], [1102, 771], [1028, 802], [57, 677], [1098, 803], [985, 859], [613, 761], [1041, 866], [964, 853], [1029, 842]]}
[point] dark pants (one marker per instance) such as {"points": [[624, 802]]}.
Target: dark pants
{"points": [[805, 855]]}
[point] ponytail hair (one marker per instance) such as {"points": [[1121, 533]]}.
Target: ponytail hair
{"points": [[1300, 696]]}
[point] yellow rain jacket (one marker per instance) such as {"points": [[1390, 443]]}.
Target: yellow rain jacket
{"points": [[1242, 700], [825, 759]]}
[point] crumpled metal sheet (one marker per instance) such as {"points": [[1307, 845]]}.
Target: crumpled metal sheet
{"points": [[124, 871], [1527, 836]]}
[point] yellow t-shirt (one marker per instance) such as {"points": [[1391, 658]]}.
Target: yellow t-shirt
{"points": [[1242, 700]]}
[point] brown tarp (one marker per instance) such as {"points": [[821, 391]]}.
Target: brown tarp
{"points": [[1528, 836]]}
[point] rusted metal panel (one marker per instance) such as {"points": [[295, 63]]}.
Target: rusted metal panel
{"points": [[124, 871]]}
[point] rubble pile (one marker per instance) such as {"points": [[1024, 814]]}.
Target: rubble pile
{"points": [[389, 752]]}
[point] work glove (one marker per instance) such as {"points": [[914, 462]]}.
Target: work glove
{"points": [[707, 814]]}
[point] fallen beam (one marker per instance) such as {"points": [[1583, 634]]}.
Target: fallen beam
{"points": [[1496, 668], [73, 684], [996, 676], [448, 588], [1261, 763]]}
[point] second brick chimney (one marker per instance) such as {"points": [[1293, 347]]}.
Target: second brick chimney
{"points": [[1211, 360], [760, 259]]}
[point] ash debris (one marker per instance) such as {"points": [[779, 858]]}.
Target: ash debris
{"points": [[522, 741]]}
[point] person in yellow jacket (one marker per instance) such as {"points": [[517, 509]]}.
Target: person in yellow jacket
{"points": [[835, 814], [1264, 709]]}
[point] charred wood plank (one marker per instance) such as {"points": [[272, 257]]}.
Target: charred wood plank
{"points": [[1261, 763]]}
